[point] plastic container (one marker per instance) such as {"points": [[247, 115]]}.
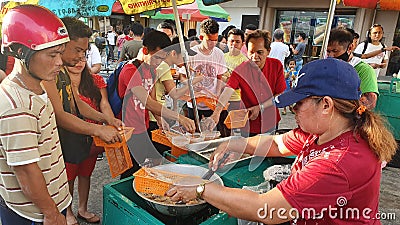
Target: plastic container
{"points": [[195, 137], [126, 133], [153, 181], [211, 135], [118, 157], [180, 141], [237, 118], [165, 138]]}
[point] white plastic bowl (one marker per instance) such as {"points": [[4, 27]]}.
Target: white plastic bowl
{"points": [[211, 135], [195, 137], [180, 141]]}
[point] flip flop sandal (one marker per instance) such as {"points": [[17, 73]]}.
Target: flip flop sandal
{"points": [[93, 219]]}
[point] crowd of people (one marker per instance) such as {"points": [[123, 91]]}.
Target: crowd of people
{"points": [[52, 96]]}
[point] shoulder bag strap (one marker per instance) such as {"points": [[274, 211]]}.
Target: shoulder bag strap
{"points": [[76, 106], [65, 101]]}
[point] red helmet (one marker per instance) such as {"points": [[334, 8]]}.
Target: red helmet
{"points": [[33, 26]]}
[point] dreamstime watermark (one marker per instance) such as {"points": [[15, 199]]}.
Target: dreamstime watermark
{"points": [[332, 212]]}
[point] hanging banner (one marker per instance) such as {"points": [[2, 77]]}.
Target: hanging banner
{"points": [[390, 5], [67, 8], [213, 2], [370, 4], [137, 6]]}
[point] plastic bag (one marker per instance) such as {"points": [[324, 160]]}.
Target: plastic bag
{"points": [[261, 188]]}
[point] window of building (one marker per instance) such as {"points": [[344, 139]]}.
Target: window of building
{"points": [[313, 24]]}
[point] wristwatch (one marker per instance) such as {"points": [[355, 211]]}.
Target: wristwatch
{"points": [[200, 190]]}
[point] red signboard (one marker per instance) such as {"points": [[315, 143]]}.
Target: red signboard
{"points": [[370, 4]]}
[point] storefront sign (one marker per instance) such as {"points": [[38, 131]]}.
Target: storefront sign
{"points": [[390, 4], [370, 4], [137, 6], [213, 2], [67, 8]]}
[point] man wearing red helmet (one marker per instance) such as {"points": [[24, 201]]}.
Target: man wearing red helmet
{"points": [[75, 49], [32, 172]]}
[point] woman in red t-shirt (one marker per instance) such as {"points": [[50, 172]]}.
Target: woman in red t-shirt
{"points": [[92, 90], [340, 146]]}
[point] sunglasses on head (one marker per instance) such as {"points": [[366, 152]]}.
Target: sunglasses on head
{"points": [[375, 25]]}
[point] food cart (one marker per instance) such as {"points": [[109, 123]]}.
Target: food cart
{"points": [[386, 106], [122, 205]]}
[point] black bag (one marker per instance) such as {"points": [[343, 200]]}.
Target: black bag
{"points": [[100, 42], [75, 147]]}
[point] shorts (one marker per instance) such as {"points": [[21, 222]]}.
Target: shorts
{"points": [[85, 168], [9, 217]]}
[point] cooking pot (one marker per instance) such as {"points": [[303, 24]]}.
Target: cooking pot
{"points": [[180, 209]]}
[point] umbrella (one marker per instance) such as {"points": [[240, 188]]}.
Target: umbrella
{"points": [[197, 11], [117, 8], [67, 8]]}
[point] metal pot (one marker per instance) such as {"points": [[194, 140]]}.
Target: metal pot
{"points": [[180, 210]]}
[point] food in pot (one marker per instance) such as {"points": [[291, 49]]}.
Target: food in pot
{"points": [[167, 200]]}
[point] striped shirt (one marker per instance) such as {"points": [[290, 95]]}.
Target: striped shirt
{"points": [[28, 134]]}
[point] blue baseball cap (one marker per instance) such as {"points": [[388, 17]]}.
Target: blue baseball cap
{"points": [[325, 77]]}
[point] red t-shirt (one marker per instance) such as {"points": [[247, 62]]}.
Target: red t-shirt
{"points": [[258, 86], [99, 82], [128, 38], [135, 115], [335, 178]]}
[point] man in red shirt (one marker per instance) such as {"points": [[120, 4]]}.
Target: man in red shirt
{"points": [[259, 79]]}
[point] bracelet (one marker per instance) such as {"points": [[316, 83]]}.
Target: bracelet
{"points": [[261, 108]]}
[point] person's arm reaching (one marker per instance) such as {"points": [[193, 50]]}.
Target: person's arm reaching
{"points": [[158, 109], [258, 109], [239, 203], [95, 68], [34, 187], [105, 107], [212, 121], [294, 50], [376, 52], [174, 92], [72, 123]]}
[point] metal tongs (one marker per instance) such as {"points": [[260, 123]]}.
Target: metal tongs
{"points": [[210, 171]]}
